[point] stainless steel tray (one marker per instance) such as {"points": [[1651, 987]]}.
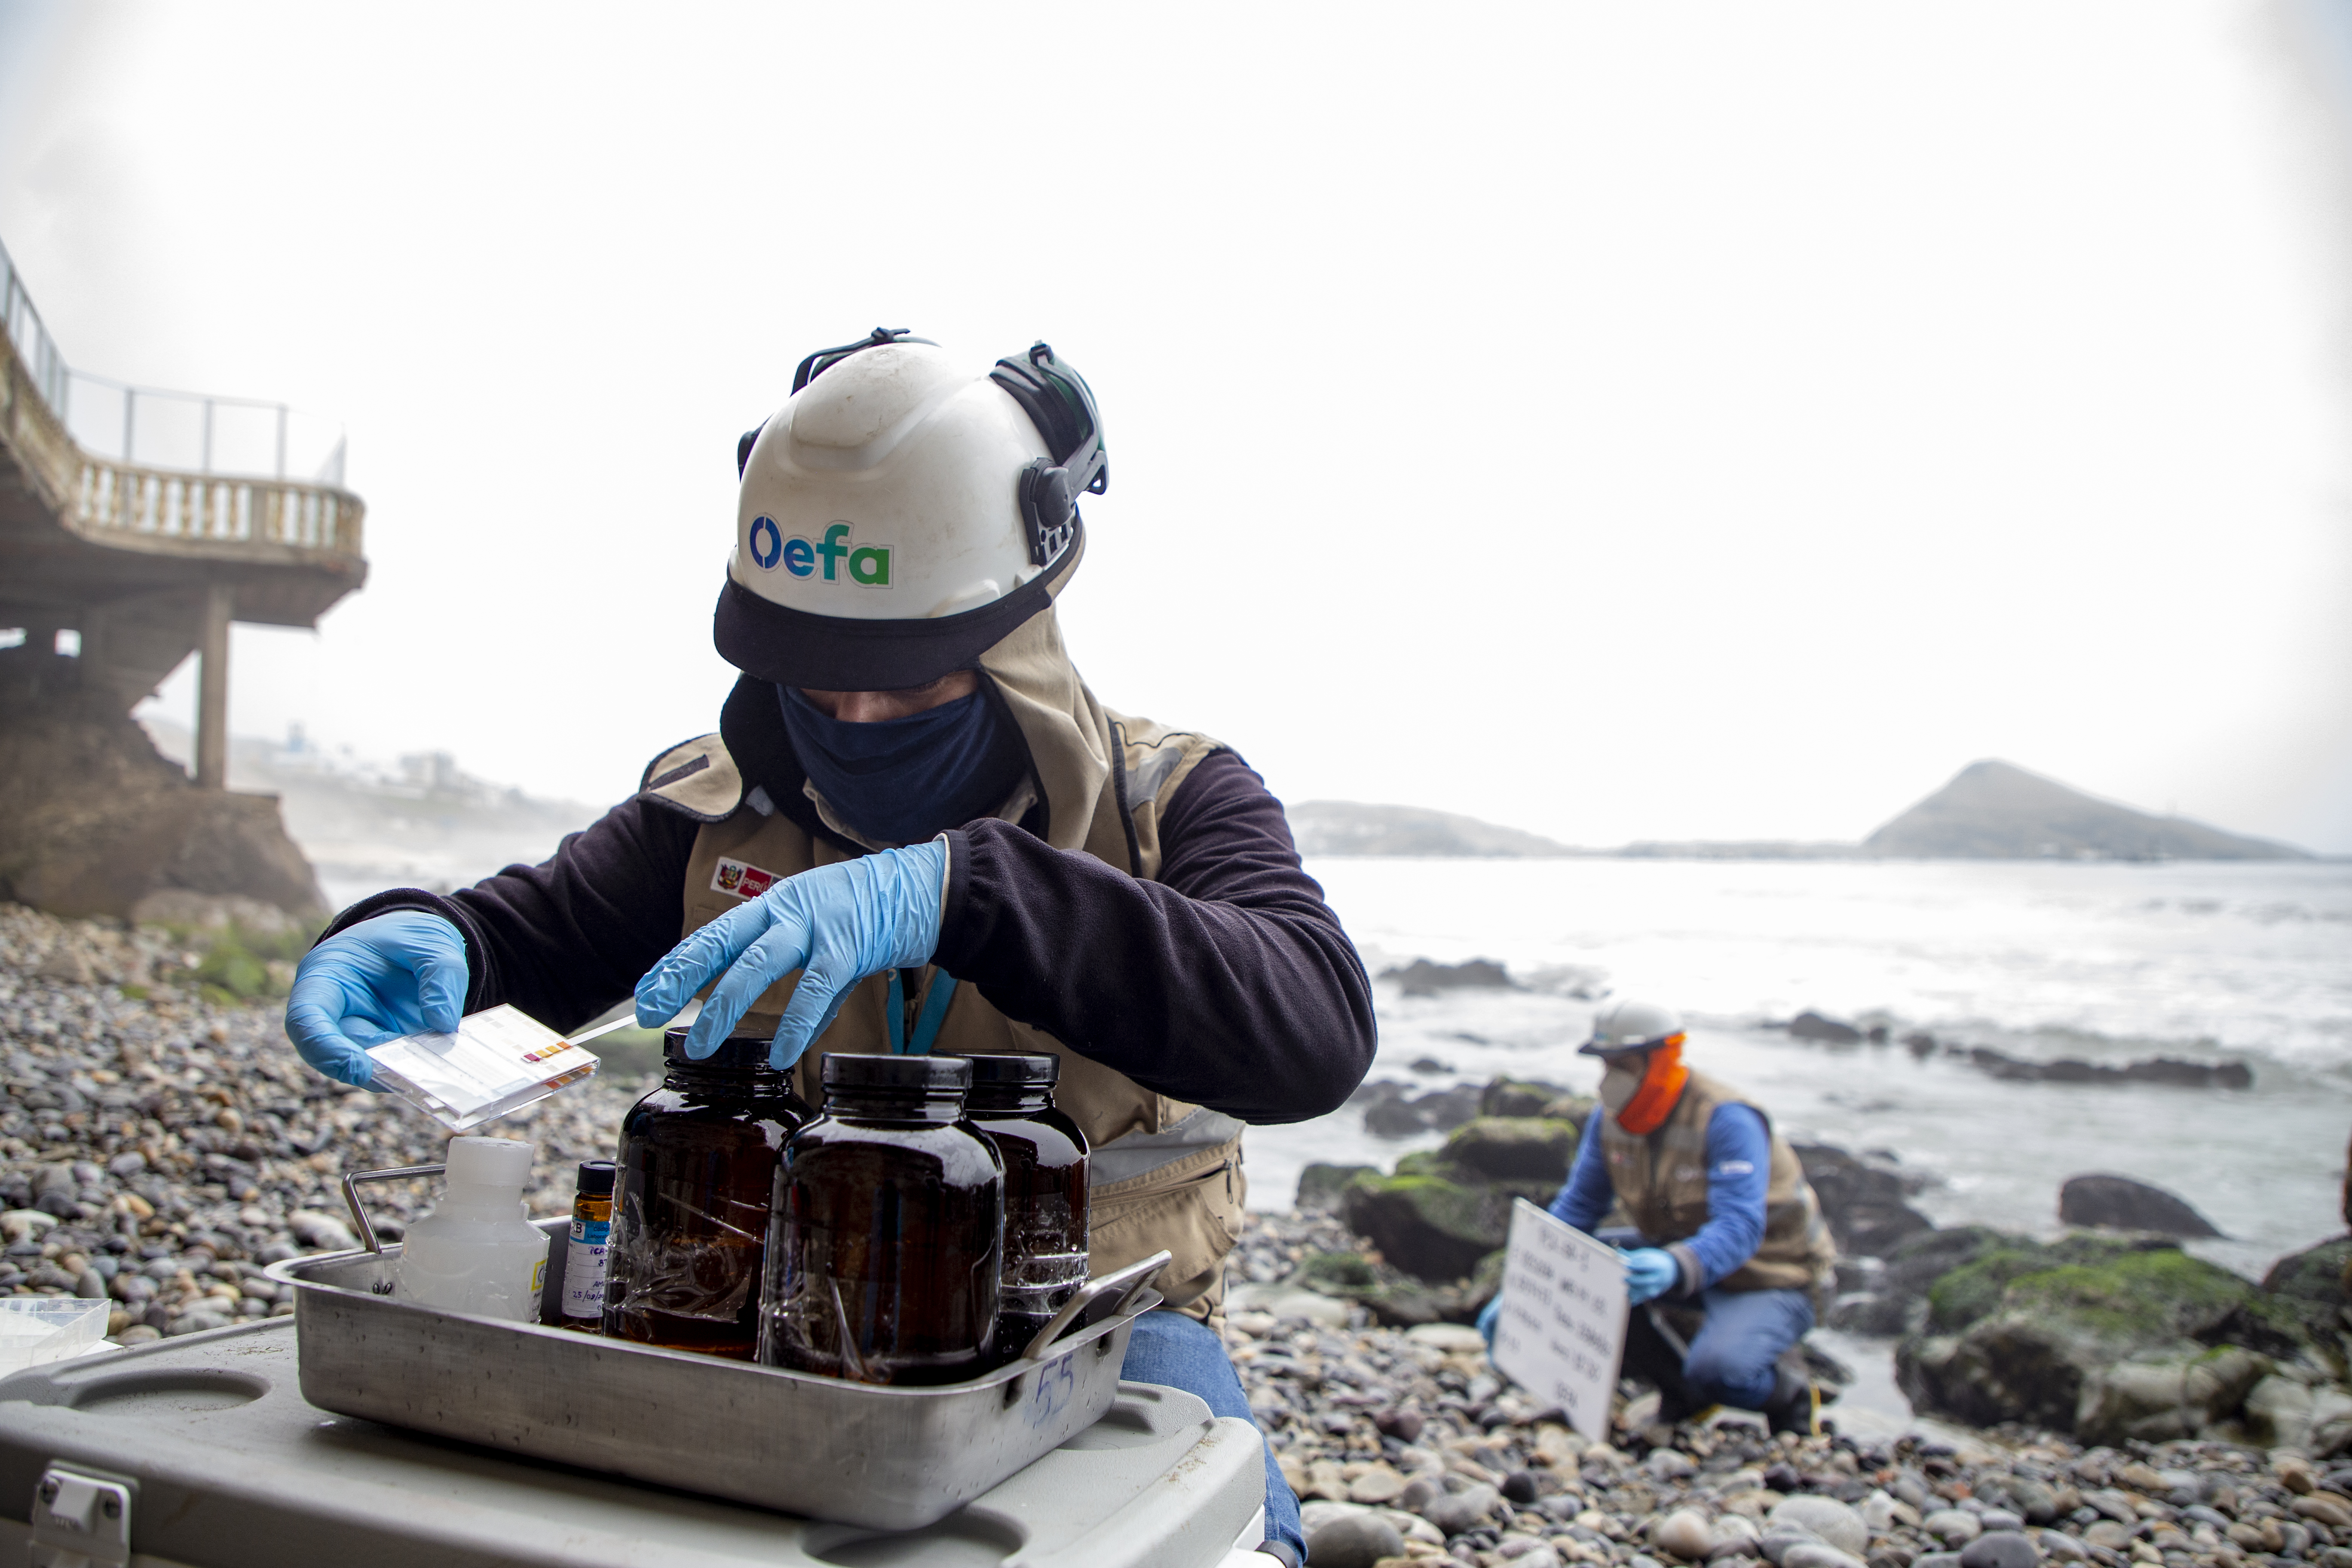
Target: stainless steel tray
{"points": [[888, 1458]]}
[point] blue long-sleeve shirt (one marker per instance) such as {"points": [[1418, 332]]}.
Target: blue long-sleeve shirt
{"points": [[1738, 1170]]}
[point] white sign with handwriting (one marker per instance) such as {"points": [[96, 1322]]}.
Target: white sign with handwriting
{"points": [[1563, 1326]]}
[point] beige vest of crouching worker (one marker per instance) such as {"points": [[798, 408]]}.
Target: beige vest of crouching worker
{"points": [[1661, 1184], [1163, 1173]]}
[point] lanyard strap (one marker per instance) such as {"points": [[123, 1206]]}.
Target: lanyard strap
{"points": [[927, 1026]]}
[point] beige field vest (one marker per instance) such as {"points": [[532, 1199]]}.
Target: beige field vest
{"points": [[1660, 1185], [1163, 1173]]}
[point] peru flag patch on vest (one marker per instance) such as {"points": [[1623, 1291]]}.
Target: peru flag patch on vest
{"points": [[745, 882]]}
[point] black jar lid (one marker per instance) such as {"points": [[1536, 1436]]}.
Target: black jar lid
{"points": [[737, 1052], [906, 1075], [1015, 1070], [596, 1178]]}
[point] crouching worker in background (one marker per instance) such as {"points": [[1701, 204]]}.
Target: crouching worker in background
{"points": [[1727, 1225]]}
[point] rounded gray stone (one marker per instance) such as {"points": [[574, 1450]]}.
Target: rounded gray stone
{"points": [[2000, 1549], [1818, 1554], [1354, 1541], [1993, 1518], [1830, 1520], [1685, 1533], [1952, 1526]]}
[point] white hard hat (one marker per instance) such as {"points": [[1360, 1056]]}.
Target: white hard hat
{"points": [[1631, 1026], [904, 511]]}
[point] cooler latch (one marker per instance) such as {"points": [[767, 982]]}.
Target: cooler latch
{"points": [[82, 1519]]}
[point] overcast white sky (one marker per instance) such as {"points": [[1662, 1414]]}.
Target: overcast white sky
{"points": [[1618, 421]]}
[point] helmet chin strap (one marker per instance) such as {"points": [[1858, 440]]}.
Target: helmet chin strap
{"points": [[1662, 1078]]}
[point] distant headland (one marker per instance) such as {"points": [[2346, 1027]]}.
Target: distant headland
{"points": [[1992, 810]]}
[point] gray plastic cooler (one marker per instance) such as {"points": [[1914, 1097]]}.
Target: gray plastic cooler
{"points": [[206, 1448]]}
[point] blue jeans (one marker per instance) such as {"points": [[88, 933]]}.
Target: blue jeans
{"points": [[1184, 1353], [1731, 1357]]}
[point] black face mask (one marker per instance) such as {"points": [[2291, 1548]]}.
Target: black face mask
{"points": [[902, 780]]}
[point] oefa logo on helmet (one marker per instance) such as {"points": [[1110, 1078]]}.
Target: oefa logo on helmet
{"points": [[869, 564]]}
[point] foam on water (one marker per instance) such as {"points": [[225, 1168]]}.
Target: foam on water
{"points": [[2103, 962]]}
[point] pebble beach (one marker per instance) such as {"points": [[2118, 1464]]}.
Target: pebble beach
{"points": [[162, 1145]]}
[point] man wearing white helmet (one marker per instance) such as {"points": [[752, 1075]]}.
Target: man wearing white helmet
{"points": [[916, 828], [1726, 1221]]}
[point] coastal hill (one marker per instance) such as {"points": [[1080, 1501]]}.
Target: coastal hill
{"points": [[1352, 827], [1995, 811], [1990, 811]]}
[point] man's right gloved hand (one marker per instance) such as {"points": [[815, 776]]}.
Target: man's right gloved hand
{"points": [[1488, 1316], [388, 976]]}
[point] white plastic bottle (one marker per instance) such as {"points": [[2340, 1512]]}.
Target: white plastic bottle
{"points": [[475, 1253]]}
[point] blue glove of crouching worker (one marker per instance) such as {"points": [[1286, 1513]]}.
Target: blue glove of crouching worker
{"points": [[836, 924], [1650, 1272]]}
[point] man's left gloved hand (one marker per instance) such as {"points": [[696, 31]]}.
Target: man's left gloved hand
{"points": [[836, 924], [1650, 1272]]}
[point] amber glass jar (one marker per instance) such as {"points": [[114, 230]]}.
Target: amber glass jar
{"points": [[888, 1230], [699, 1160], [1044, 1154]]}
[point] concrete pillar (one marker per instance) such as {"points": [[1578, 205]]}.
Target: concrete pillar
{"points": [[212, 689]]}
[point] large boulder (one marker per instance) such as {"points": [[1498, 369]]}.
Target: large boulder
{"points": [[2119, 1203], [2160, 1399], [1392, 1110], [1427, 1224], [1423, 978], [1514, 1148], [1518, 1096], [1397, 1299], [1862, 1197], [2023, 1333], [1811, 1026], [1319, 1186]]}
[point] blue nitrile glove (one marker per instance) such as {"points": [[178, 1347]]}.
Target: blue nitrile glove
{"points": [[837, 924], [1650, 1271], [387, 977], [1488, 1316]]}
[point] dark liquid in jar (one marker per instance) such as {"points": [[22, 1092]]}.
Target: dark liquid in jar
{"points": [[698, 1169], [885, 1239], [1045, 1211]]}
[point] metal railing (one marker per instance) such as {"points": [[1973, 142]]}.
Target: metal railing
{"points": [[99, 494], [34, 345], [186, 432]]}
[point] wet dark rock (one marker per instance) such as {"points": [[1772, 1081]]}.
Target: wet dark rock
{"points": [[2120, 1202], [1514, 1148], [2024, 1330], [1319, 1186], [2169, 1070], [1862, 1197], [1811, 1026], [1439, 1111], [1423, 978]]}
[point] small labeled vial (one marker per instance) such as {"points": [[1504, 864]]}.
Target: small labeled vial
{"points": [[888, 1230], [1044, 1154], [584, 1256], [697, 1168]]}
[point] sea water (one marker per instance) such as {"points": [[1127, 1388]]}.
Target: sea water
{"points": [[2103, 961]]}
